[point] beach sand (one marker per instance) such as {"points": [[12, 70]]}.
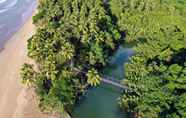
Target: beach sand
{"points": [[16, 101]]}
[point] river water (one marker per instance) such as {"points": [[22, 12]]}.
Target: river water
{"points": [[13, 14], [101, 101]]}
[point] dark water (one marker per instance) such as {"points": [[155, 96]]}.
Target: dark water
{"points": [[116, 67], [101, 102], [13, 13]]}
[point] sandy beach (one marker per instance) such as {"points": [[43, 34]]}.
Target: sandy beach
{"points": [[16, 101]]}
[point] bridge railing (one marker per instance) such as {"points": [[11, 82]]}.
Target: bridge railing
{"points": [[115, 82], [112, 79]]}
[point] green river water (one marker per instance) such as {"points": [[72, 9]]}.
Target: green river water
{"points": [[101, 101]]}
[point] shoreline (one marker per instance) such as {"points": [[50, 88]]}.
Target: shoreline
{"points": [[24, 18], [16, 101]]}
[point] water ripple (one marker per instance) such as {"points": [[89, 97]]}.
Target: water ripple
{"points": [[2, 26], [8, 6], [13, 13], [3, 10], [12, 4], [2, 1]]}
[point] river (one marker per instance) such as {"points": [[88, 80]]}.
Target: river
{"points": [[13, 14], [101, 101]]}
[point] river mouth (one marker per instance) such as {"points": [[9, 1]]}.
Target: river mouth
{"points": [[102, 101]]}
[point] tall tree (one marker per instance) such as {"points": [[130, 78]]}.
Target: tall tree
{"points": [[74, 40], [155, 75]]}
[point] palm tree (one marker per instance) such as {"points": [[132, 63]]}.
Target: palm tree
{"points": [[93, 78]]}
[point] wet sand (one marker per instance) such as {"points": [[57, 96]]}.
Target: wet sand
{"points": [[16, 101]]}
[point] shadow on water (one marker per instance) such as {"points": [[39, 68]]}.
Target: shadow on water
{"points": [[116, 67], [101, 101]]}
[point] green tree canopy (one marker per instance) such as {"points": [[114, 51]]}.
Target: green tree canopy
{"points": [[74, 40], [155, 75]]}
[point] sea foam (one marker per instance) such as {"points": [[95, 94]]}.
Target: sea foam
{"points": [[2, 1], [12, 4]]}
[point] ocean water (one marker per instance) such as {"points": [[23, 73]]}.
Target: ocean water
{"points": [[13, 14]]}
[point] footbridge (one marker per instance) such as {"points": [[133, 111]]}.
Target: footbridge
{"points": [[108, 80], [113, 82]]}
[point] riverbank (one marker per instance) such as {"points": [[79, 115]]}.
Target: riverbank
{"points": [[16, 101]]}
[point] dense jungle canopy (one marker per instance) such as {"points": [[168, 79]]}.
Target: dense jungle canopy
{"points": [[156, 74], [76, 38], [73, 36]]}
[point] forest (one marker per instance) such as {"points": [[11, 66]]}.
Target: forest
{"points": [[76, 38]]}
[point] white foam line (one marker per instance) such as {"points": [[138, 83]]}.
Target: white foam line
{"points": [[3, 10], [1, 1], [13, 3]]}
